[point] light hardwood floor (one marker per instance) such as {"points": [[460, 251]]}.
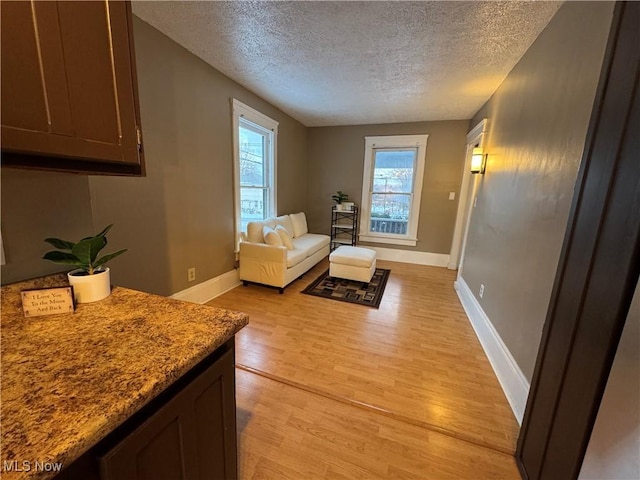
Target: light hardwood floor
{"points": [[332, 390]]}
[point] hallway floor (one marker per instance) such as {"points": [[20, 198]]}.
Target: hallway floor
{"points": [[328, 389]]}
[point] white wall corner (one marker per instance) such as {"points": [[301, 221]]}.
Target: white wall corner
{"points": [[513, 382], [411, 256], [208, 290]]}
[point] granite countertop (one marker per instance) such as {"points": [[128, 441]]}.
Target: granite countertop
{"points": [[70, 379]]}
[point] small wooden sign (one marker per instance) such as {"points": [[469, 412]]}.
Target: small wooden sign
{"points": [[47, 301]]}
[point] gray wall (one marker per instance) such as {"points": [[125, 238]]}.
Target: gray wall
{"points": [[336, 162], [537, 123], [181, 214], [614, 447], [37, 205]]}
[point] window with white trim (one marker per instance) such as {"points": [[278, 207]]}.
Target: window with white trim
{"points": [[254, 139], [392, 188]]}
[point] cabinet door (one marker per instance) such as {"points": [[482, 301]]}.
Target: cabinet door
{"points": [[68, 85], [193, 436], [26, 104]]}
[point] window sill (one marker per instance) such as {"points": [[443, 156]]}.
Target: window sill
{"points": [[406, 241]]}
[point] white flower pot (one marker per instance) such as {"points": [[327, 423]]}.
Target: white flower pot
{"points": [[90, 288], [338, 207]]}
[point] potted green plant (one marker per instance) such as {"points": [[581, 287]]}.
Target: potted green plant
{"points": [[91, 279], [339, 198]]}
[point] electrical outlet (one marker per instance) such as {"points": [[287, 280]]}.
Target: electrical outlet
{"points": [[481, 292], [191, 274], [475, 201], [452, 195]]}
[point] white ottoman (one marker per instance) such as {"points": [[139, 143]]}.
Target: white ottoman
{"points": [[352, 263]]}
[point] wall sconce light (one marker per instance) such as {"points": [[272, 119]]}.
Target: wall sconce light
{"points": [[478, 160]]}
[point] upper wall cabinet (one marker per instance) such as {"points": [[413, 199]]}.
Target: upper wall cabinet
{"points": [[69, 88]]}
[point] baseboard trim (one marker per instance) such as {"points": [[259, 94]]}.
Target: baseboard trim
{"points": [[411, 256], [208, 290], [512, 380]]}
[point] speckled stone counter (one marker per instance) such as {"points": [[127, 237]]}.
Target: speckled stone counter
{"points": [[68, 380]]}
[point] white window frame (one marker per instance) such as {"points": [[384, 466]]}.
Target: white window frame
{"points": [[244, 113], [392, 141]]}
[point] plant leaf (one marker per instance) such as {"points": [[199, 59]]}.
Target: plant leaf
{"points": [[60, 244], [104, 259], [104, 232], [101, 234], [64, 258], [87, 250]]}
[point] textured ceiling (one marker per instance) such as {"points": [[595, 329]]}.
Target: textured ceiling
{"points": [[349, 63]]}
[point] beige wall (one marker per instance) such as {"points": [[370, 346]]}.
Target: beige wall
{"points": [[181, 214], [336, 162], [537, 123], [614, 447], [37, 205]]}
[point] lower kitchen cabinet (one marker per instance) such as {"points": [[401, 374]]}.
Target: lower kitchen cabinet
{"points": [[191, 435], [187, 438]]}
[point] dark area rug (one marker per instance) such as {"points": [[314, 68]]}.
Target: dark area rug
{"points": [[368, 294]]}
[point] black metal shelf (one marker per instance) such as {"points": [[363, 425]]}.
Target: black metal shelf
{"points": [[344, 227]]}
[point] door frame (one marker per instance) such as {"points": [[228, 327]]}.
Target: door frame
{"points": [[475, 138], [597, 272]]}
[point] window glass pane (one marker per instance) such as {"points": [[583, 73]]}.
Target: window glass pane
{"points": [[254, 179], [253, 204], [252, 158], [393, 170], [390, 213], [254, 165]]}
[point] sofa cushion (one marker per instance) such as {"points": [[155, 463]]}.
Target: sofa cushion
{"points": [[285, 221], [310, 243], [254, 229], [295, 256], [284, 236], [353, 256], [299, 221], [271, 237]]}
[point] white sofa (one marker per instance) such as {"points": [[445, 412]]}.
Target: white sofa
{"points": [[276, 251]]}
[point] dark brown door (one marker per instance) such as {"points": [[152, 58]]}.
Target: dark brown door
{"points": [[597, 272], [193, 436], [26, 104], [68, 81]]}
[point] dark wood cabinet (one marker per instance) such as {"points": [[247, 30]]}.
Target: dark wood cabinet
{"points": [[69, 88], [191, 437], [188, 432]]}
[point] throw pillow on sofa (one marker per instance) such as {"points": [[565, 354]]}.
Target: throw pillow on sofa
{"points": [[271, 237], [285, 221], [285, 237], [299, 221], [254, 229]]}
